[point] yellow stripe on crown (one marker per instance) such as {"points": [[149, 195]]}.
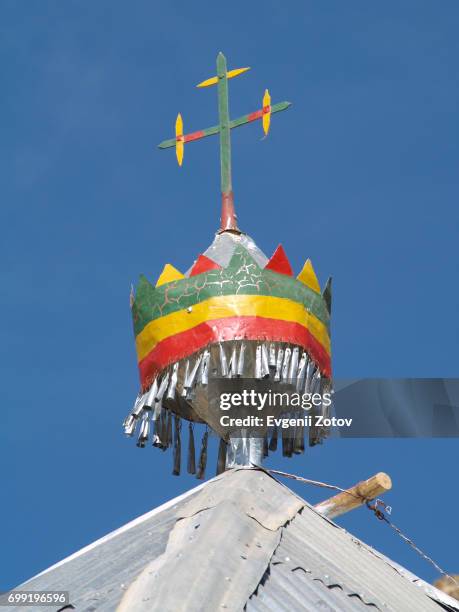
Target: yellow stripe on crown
{"points": [[229, 306]]}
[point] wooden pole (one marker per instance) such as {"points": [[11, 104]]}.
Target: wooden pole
{"points": [[356, 496], [447, 585]]}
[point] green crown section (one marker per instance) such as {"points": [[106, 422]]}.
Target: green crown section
{"points": [[243, 276]]}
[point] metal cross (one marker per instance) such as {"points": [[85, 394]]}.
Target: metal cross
{"points": [[224, 127]]}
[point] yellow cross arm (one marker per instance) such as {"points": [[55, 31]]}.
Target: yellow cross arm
{"points": [[229, 75]]}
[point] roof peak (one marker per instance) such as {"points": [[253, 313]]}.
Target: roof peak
{"points": [[242, 539]]}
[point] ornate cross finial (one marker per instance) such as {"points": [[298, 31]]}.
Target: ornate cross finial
{"points": [[224, 127]]}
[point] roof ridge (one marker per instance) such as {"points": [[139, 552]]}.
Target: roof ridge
{"points": [[246, 516]]}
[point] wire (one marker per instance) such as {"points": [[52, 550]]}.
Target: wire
{"points": [[382, 517], [375, 509], [316, 483]]}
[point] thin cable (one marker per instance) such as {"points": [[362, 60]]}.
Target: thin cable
{"points": [[377, 512], [382, 517], [316, 483]]}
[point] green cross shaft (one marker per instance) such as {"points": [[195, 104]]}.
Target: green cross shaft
{"points": [[224, 124], [228, 217]]}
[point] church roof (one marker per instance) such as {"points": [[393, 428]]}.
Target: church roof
{"points": [[240, 541]]}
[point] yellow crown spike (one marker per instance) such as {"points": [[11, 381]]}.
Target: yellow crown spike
{"points": [[168, 275], [308, 277], [179, 145], [229, 75], [266, 112]]}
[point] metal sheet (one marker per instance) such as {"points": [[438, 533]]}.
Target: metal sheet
{"points": [[222, 248], [316, 556], [214, 559], [304, 561], [254, 492], [98, 575]]}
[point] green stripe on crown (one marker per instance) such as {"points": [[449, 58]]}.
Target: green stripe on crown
{"points": [[243, 276]]}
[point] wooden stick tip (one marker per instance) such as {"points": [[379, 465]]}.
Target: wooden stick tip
{"points": [[384, 480]]}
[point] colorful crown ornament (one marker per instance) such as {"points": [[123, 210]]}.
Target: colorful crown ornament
{"points": [[234, 314]]}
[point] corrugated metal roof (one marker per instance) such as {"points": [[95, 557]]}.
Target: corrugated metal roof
{"points": [[220, 548], [242, 540], [323, 565], [98, 575]]}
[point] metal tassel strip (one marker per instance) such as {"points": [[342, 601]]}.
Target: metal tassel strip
{"points": [[315, 383], [290, 438], [223, 361], [298, 442], [286, 442], [273, 442], [293, 369], [221, 461], [309, 374], [241, 360], [162, 388], [202, 457], [130, 418], [144, 431], [272, 355], [203, 375], [151, 395], [156, 438], [301, 372], [173, 382], [137, 401], [177, 446], [316, 433], [189, 382], [186, 376], [169, 429], [130, 425], [285, 364], [163, 429], [191, 463], [323, 431], [326, 387], [266, 445], [138, 406], [279, 362], [258, 362], [232, 367], [157, 410], [264, 361]]}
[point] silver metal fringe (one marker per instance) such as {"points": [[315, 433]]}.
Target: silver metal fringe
{"points": [[177, 445], [203, 457], [191, 463]]}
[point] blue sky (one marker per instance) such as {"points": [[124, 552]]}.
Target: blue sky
{"points": [[360, 175]]}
